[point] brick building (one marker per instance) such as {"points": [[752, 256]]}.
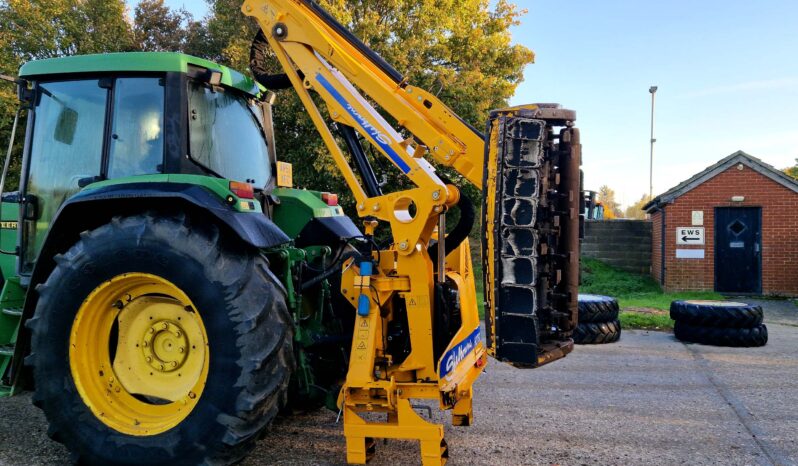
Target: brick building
{"points": [[731, 228]]}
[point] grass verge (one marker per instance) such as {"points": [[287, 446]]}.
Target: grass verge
{"points": [[643, 303], [645, 320]]}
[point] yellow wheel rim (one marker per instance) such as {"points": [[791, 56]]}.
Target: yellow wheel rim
{"points": [[138, 353]]}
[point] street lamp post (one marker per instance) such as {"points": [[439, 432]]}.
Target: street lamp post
{"points": [[653, 91]]}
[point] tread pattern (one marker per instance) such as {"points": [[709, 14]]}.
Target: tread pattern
{"points": [[254, 369], [597, 308], [718, 336], [718, 314], [597, 333]]}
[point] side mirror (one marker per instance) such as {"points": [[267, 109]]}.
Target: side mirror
{"points": [[66, 126]]}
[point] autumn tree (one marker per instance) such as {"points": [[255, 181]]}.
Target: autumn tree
{"points": [[612, 209], [792, 171], [635, 210]]}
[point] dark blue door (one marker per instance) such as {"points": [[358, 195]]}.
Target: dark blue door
{"points": [[737, 249]]}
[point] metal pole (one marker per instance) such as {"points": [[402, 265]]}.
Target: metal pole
{"points": [[653, 91]]}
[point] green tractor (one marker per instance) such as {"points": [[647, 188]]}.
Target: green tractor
{"points": [[161, 292]]}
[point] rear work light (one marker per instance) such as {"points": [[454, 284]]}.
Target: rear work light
{"points": [[330, 199], [242, 190]]}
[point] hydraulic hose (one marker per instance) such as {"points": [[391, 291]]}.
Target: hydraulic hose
{"points": [[258, 54], [460, 231], [332, 270]]}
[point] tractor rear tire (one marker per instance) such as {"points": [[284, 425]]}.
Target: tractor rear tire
{"points": [[597, 333], [240, 307], [597, 308], [723, 314], [737, 337]]}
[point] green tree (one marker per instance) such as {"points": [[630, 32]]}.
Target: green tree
{"points": [[612, 209], [157, 28], [35, 29], [635, 210]]}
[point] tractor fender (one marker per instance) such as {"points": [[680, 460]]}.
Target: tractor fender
{"points": [[92, 208], [254, 229]]}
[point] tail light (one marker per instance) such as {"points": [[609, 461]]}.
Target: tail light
{"points": [[242, 190], [330, 199]]}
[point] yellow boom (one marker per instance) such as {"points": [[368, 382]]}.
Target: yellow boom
{"points": [[318, 55]]}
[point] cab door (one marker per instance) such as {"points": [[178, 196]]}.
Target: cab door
{"points": [[65, 151], [85, 131]]}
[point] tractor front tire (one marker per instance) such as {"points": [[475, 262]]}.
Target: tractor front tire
{"points": [[157, 340]]}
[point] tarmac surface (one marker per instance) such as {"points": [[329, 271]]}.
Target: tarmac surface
{"points": [[648, 399]]}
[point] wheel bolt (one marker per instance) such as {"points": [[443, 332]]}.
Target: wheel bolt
{"points": [[192, 395], [181, 349], [149, 359]]}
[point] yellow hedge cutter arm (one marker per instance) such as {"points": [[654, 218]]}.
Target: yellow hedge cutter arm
{"points": [[530, 179]]}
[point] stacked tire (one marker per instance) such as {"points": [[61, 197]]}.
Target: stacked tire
{"points": [[719, 323], [598, 320]]}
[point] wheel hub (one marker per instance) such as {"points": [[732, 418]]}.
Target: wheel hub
{"points": [[139, 354], [164, 346]]}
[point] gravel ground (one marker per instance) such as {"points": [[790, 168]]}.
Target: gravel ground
{"points": [[648, 399]]}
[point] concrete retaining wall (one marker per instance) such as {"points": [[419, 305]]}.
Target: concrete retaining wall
{"points": [[625, 244]]}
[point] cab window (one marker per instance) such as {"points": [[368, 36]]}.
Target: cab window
{"points": [[136, 144]]}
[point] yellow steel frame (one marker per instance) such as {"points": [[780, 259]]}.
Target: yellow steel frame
{"points": [[316, 57]]}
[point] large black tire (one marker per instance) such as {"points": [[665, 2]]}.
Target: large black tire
{"points": [[723, 314], [597, 308], [248, 329], [597, 333], [741, 337]]}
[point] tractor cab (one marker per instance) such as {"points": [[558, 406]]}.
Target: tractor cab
{"points": [[593, 209], [112, 116]]}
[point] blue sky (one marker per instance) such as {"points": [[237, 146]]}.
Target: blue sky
{"points": [[198, 8], [726, 70]]}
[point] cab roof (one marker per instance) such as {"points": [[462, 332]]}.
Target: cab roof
{"points": [[136, 62]]}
